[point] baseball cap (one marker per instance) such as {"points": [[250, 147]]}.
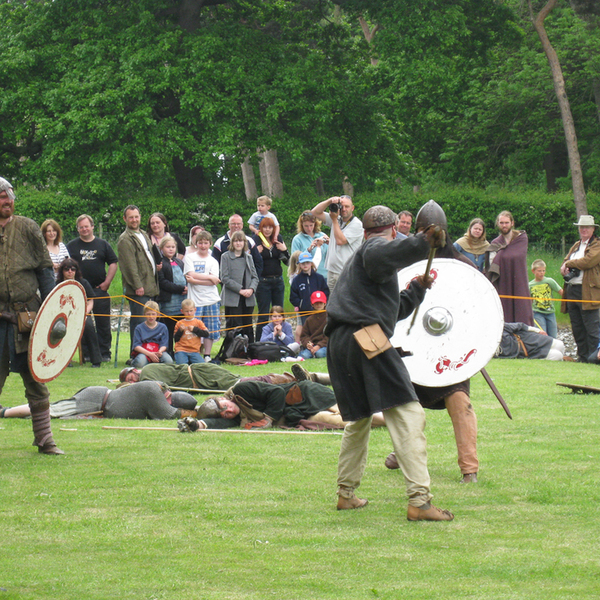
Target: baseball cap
{"points": [[318, 297], [305, 257]]}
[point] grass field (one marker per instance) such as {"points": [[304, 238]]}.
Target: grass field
{"points": [[162, 515]]}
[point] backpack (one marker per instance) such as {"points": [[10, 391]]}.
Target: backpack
{"points": [[235, 345], [268, 351]]}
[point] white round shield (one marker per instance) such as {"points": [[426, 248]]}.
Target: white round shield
{"points": [[48, 354], [458, 325]]}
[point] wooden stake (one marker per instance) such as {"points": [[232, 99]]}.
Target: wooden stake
{"points": [[279, 431]]}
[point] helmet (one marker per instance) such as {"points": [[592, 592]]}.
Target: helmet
{"points": [[210, 409], [378, 216], [431, 213], [123, 374]]}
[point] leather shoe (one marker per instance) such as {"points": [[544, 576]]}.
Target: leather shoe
{"points": [[428, 512], [348, 503], [469, 478], [391, 462], [50, 449]]}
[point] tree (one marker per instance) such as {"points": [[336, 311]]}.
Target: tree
{"points": [[565, 108]]}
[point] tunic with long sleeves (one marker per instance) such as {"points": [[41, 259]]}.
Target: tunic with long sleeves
{"points": [[205, 376], [518, 342], [269, 399], [25, 267], [367, 292]]}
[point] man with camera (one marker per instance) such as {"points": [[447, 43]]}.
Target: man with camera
{"points": [[346, 234], [581, 270]]}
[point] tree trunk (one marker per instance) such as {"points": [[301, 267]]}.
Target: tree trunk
{"points": [[565, 108], [320, 187], [348, 187], [191, 181], [369, 35], [271, 180], [249, 180]]}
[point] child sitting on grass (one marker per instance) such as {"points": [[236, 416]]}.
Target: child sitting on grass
{"points": [[188, 336], [541, 288], [278, 330], [150, 339], [313, 340]]}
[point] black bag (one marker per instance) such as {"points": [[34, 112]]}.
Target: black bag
{"points": [[235, 345], [268, 351]]}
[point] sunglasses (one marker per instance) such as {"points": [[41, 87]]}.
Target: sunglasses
{"points": [[74, 269]]}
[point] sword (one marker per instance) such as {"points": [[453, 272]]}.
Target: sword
{"points": [[496, 392], [427, 268]]}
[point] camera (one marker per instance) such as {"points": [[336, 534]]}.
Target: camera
{"points": [[335, 207], [571, 274]]}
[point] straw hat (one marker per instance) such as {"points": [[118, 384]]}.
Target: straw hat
{"points": [[586, 221]]}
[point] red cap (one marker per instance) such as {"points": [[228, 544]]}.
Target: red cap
{"points": [[318, 297]]}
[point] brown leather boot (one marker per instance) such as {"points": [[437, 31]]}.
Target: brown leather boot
{"points": [[350, 503], [469, 478], [187, 413], [428, 512], [391, 462]]}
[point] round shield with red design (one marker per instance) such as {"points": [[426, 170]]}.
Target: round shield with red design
{"points": [[458, 325], [57, 329]]}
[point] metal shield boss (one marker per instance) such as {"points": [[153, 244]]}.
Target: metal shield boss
{"points": [[458, 325], [57, 330]]}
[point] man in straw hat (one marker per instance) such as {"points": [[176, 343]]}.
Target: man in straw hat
{"points": [[581, 270]]}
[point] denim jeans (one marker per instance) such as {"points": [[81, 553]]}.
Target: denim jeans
{"points": [[307, 354], [141, 360]]}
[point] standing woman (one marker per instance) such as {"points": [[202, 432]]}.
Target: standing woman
{"points": [[69, 270], [581, 270], [239, 282], [53, 235], [271, 288], [157, 228], [172, 285], [311, 239], [473, 244]]}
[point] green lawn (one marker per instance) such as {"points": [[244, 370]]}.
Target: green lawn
{"points": [[161, 515]]}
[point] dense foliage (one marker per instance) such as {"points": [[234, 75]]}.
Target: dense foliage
{"points": [[119, 101]]}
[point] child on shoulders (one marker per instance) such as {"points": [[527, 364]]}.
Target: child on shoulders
{"points": [[150, 339], [540, 289], [263, 205]]}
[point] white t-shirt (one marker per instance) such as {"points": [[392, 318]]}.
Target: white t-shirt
{"points": [[338, 256], [202, 295]]}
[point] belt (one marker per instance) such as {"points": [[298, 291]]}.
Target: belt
{"points": [[104, 400]]}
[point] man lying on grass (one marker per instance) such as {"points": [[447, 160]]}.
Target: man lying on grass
{"points": [[208, 376], [258, 405], [147, 400]]}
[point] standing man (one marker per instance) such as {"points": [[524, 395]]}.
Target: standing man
{"points": [[236, 223], [138, 269], [25, 268], [368, 296], [506, 268], [346, 234], [93, 256], [581, 270], [405, 220]]}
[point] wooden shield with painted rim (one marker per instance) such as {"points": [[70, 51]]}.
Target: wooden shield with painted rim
{"points": [[48, 359], [458, 326]]}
